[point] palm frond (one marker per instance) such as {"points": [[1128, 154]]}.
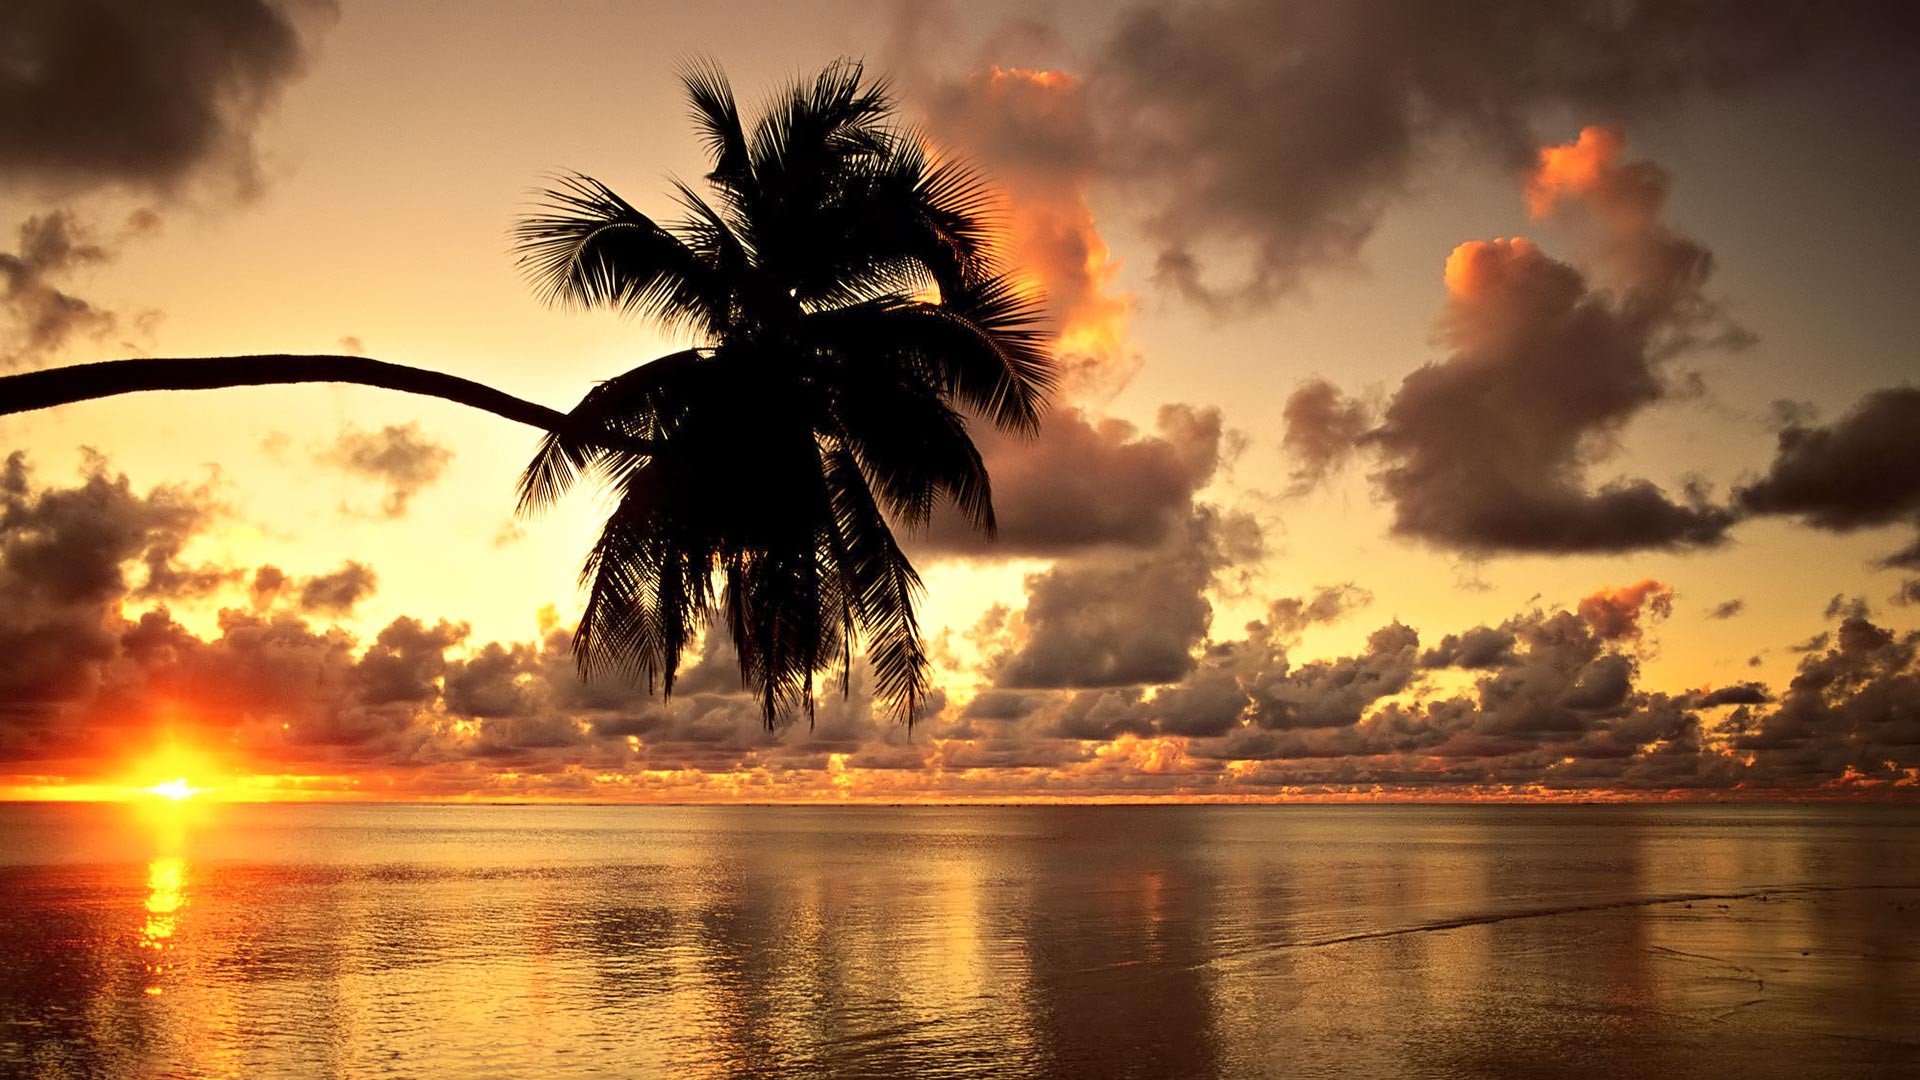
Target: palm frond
{"points": [[885, 584], [589, 247], [984, 346], [602, 432], [914, 450], [717, 116]]}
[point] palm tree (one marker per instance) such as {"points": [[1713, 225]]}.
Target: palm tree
{"points": [[848, 306]]}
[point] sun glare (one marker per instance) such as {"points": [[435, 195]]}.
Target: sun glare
{"points": [[174, 772], [176, 789]]}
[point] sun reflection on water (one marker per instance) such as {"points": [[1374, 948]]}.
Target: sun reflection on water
{"points": [[166, 895], [170, 814]]}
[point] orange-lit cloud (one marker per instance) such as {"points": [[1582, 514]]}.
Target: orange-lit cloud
{"points": [[1489, 449], [1031, 131], [1475, 267], [1574, 169], [1616, 613]]}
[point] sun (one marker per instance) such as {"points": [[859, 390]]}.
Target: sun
{"points": [[175, 789], [173, 772]]}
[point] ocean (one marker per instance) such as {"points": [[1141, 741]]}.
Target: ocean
{"points": [[1163, 941]]}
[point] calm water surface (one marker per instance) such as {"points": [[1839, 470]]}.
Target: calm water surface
{"points": [[992, 942]]}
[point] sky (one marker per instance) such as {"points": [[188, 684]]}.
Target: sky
{"points": [[1512, 401]]}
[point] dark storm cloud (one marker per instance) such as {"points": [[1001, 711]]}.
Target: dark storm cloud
{"points": [[397, 455], [132, 94], [1274, 136], [1085, 483], [1323, 428]]}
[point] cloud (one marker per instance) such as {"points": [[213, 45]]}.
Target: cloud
{"points": [[1727, 609], [1031, 129], [1483, 647], [126, 94], [1548, 701], [1086, 482], [1128, 618], [1268, 140], [1855, 473], [1490, 449], [1288, 617], [1853, 709], [1749, 693], [1323, 428], [1615, 613], [44, 317], [1842, 606], [397, 455], [69, 557], [339, 592]]}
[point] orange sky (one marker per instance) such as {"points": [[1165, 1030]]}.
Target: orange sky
{"points": [[1563, 327]]}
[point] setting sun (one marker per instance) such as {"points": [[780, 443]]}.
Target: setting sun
{"points": [[177, 788], [175, 772]]}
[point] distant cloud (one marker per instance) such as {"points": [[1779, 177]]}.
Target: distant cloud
{"points": [[1127, 619], [1323, 428], [1843, 606], [1727, 609], [1555, 703], [1087, 482], [37, 316], [1738, 694], [1855, 473], [130, 95], [1271, 138], [67, 561], [1617, 613], [339, 592], [1289, 616], [1489, 450], [397, 455]]}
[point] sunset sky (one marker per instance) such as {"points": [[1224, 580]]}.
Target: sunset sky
{"points": [[1505, 400]]}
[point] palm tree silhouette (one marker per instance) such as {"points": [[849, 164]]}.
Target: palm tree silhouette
{"points": [[849, 305]]}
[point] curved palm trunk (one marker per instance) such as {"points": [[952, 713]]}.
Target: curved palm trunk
{"points": [[83, 382]]}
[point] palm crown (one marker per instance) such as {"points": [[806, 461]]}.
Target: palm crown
{"points": [[850, 313]]}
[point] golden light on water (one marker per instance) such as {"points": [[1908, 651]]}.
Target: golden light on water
{"points": [[166, 877], [166, 895]]}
